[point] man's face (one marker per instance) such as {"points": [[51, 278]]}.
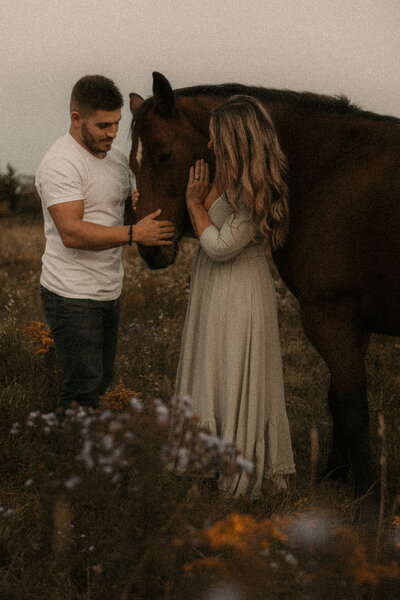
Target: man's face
{"points": [[98, 130]]}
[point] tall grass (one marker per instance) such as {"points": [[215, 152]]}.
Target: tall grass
{"points": [[114, 504]]}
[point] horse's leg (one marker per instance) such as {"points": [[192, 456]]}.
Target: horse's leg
{"points": [[334, 328], [337, 467]]}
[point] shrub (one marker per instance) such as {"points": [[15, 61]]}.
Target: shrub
{"points": [[17, 197]]}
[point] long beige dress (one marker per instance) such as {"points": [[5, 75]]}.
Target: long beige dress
{"points": [[230, 361]]}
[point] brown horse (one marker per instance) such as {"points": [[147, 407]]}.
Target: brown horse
{"points": [[342, 256]]}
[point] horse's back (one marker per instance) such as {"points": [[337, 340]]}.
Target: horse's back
{"points": [[350, 220], [381, 244]]}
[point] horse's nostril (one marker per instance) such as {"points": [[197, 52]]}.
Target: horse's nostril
{"points": [[157, 257]]}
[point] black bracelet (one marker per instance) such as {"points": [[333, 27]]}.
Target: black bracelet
{"points": [[130, 234]]}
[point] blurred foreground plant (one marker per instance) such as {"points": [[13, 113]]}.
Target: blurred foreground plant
{"points": [[295, 556], [111, 484], [104, 485]]}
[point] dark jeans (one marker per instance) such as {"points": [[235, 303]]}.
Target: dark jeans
{"points": [[85, 337]]}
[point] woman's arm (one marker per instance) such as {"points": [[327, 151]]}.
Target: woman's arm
{"points": [[221, 245]]}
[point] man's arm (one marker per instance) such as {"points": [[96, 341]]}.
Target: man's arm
{"points": [[83, 235]]}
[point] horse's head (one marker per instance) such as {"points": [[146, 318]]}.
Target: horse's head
{"points": [[169, 134]]}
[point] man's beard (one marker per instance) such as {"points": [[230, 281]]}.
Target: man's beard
{"points": [[90, 141]]}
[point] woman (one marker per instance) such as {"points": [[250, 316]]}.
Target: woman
{"points": [[230, 361]]}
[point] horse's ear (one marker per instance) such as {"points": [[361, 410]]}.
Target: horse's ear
{"points": [[163, 95], [135, 102]]}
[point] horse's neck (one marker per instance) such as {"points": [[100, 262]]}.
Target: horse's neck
{"points": [[198, 110], [298, 129], [310, 140]]}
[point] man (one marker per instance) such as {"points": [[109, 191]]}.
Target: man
{"points": [[83, 183]]}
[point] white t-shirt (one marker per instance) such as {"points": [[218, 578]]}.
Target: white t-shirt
{"points": [[70, 172]]}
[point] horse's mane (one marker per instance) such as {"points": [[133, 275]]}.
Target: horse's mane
{"points": [[304, 100]]}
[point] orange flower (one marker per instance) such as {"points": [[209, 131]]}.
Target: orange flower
{"points": [[39, 334], [119, 399], [243, 531]]}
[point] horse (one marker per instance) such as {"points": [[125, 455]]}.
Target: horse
{"points": [[342, 254]]}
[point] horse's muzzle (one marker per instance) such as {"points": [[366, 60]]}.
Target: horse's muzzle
{"points": [[158, 257]]}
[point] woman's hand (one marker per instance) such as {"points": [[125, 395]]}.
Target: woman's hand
{"points": [[198, 184], [212, 195]]}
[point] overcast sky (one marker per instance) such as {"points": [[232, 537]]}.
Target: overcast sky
{"points": [[323, 46]]}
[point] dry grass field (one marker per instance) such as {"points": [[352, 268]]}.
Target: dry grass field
{"points": [[90, 511]]}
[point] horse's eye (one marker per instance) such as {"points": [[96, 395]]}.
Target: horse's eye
{"points": [[164, 157]]}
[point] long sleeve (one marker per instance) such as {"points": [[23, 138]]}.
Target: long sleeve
{"points": [[221, 245]]}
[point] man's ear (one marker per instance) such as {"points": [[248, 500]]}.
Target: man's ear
{"points": [[75, 118]]}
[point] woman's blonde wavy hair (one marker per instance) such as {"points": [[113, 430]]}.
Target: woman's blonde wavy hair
{"points": [[251, 165]]}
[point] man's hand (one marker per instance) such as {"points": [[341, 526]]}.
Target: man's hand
{"points": [[135, 198], [150, 232]]}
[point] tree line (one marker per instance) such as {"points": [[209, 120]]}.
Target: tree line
{"points": [[18, 197]]}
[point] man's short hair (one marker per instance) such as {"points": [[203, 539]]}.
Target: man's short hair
{"points": [[95, 92]]}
